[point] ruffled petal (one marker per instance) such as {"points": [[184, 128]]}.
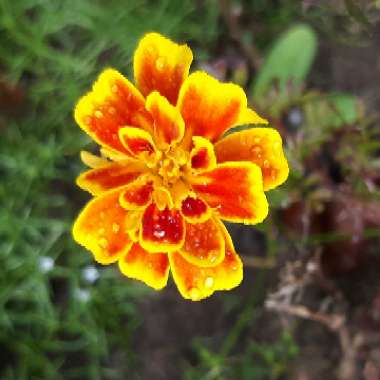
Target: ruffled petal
{"points": [[100, 228], [209, 107], [196, 283], [194, 210], [162, 65], [204, 244], [137, 141], [137, 195], [235, 191], [202, 156], [179, 192], [113, 175], [150, 268], [162, 231], [113, 103], [262, 146], [162, 197], [168, 124], [93, 161]]}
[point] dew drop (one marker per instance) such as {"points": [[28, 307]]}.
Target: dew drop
{"points": [[159, 234], [266, 164], [160, 63], [115, 228], [150, 49], [209, 282], [256, 150], [112, 110], [194, 294], [103, 243], [98, 114]]}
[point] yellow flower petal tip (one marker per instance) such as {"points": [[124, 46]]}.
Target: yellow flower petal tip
{"points": [[166, 176]]}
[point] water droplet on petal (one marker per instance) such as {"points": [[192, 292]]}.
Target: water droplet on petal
{"points": [[150, 49], [112, 110], [103, 243], [160, 63], [266, 164], [194, 294], [98, 114], [209, 282], [256, 150], [159, 234], [115, 228]]}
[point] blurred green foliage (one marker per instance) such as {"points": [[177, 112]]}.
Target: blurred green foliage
{"points": [[289, 59]]}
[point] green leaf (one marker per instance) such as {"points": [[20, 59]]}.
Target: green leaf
{"points": [[337, 109], [289, 59]]}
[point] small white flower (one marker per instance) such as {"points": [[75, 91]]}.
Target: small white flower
{"points": [[90, 274], [82, 295], [45, 264]]}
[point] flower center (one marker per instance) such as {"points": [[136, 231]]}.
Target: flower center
{"points": [[171, 166]]}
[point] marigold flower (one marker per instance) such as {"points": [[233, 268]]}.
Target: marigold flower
{"points": [[167, 176]]}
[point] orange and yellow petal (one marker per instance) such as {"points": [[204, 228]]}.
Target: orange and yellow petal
{"points": [[249, 116], [139, 143], [168, 124], [202, 156], [150, 268], [196, 283], [194, 210], [100, 228], [262, 146], [209, 107], [137, 195], [92, 161], [113, 103], [235, 191], [162, 230], [161, 65], [204, 244], [162, 197], [133, 221], [179, 192], [113, 175]]}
